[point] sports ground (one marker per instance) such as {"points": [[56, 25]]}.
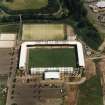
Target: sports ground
{"points": [[25, 4], [52, 57], [43, 32]]}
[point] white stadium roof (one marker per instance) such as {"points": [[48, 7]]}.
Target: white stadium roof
{"points": [[23, 53], [100, 4]]}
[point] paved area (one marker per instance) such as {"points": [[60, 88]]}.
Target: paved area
{"points": [[7, 64], [11, 79], [5, 61], [7, 40], [72, 95], [90, 68], [101, 68], [35, 94], [7, 44], [102, 47]]}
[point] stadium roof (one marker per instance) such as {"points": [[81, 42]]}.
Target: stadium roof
{"points": [[23, 53]]}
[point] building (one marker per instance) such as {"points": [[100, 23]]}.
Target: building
{"points": [[100, 4], [98, 7]]}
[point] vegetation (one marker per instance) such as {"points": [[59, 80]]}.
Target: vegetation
{"points": [[14, 104], [91, 92], [77, 18], [55, 57], [84, 29], [90, 35]]}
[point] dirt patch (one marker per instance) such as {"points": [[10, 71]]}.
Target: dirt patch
{"points": [[101, 65], [71, 99], [90, 69], [101, 68]]}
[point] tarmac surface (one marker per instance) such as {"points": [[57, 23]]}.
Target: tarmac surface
{"points": [[33, 94], [5, 61]]}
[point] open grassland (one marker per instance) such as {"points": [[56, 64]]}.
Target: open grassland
{"points": [[24, 4], [52, 57], [91, 92], [43, 32]]}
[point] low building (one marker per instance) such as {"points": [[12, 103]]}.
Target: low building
{"points": [[100, 4], [98, 7]]}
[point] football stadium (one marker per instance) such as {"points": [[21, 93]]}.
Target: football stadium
{"points": [[52, 59]]}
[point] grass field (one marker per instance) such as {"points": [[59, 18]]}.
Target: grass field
{"points": [[43, 32], [25, 4], [55, 57], [91, 92], [13, 28]]}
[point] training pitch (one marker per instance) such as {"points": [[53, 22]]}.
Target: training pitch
{"points": [[43, 32], [52, 57], [25, 4]]}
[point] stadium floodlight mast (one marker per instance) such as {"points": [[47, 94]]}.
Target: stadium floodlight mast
{"points": [[20, 18]]}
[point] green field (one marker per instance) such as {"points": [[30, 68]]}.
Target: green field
{"points": [[43, 32], [52, 57], [91, 92], [24, 4]]}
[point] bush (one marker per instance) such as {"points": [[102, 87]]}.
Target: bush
{"points": [[14, 104], [13, 86]]}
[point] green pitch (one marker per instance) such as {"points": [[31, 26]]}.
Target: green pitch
{"points": [[25, 4], [43, 32], [53, 57], [91, 92]]}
